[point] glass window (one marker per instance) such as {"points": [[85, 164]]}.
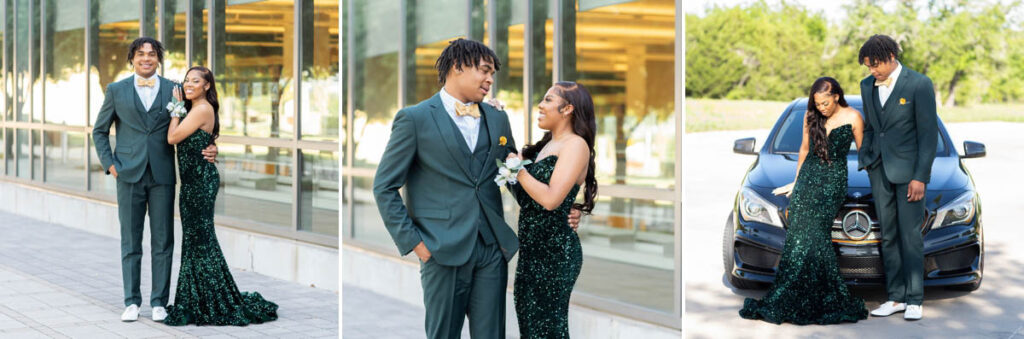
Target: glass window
{"points": [[256, 84], [256, 183], [320, 99], [375, 78], [368, 226], [175, 61], [629, 252], [21, 85], [22, 149], [509, 80], [118, 27], [65, 159], [99, 181], [37, 155], [625, 57], [320, 178], [434, 29], [35, 82], [8, 151], [65, 63]]}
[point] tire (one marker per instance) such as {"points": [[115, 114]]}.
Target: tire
{"points": [[728, 250]]}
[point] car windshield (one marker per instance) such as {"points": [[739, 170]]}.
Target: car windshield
{"points": [[790, 134]]}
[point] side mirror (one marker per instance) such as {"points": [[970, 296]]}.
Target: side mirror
{"points": [[973, 150], [744, 146]]}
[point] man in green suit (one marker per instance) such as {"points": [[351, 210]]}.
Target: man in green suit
{"points": [[143, 165], [443, 152], [897, 150]]}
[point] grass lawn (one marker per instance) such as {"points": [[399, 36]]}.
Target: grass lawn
{"points": [[705, 115]]}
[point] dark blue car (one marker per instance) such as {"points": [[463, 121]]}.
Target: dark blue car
{"points": [[756, 230]]}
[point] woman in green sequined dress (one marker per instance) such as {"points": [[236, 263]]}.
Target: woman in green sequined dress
{"points": [[808, 288], [550, 257], [206, 293]]}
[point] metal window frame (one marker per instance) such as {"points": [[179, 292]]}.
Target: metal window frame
{"points": [[564, 69], [150, 11]]}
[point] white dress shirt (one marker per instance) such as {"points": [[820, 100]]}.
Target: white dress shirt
{"points": [[469, 126], [147, 94], [885, 91]]}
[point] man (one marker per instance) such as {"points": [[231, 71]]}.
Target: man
{"points": [[143, 165], [443, 151], [897, 150]]}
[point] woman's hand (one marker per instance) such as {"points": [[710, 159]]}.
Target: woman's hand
{"points": [[496, 103], [786, 190], [513, 155], [177, 92]]}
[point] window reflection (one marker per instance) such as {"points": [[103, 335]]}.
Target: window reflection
{"points": [[118, 27], [625, 57], [256, 84], [375, 78], [629, 251], [320, 99], [255, 181], [65, 159], [320, 179], [65, 63]]}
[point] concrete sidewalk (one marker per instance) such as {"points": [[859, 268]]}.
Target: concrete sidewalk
{"points": [[58, 282]]}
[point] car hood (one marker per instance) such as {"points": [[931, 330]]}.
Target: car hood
{"points": [[774, 170]]}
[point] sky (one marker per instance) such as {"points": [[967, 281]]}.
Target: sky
{"points": [[833, 10]]}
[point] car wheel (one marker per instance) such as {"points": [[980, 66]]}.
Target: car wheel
{"points": [[728, 250]]}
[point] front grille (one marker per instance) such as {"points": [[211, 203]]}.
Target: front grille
{"points": [[957, 260], [754, 256], [861, 266], [874, 234]]}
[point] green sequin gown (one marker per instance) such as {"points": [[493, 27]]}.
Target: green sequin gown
{"points": [[550, 259], [808, 288], [206, 293]]}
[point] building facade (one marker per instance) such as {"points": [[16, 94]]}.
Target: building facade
{"points": [[277, 71], [627, 53]]}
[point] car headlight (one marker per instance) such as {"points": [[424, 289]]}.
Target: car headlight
{"points": [[960, 211], [754, 208]]}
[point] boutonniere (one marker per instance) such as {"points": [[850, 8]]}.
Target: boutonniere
{"points": [[502, 141], [903, 101]]}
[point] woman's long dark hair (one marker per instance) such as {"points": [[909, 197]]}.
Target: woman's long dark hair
{"points": [[211, 97], [816, 120], [584, 124]]}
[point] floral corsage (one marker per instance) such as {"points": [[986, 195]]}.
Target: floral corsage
{"points": [[508, 170], [176, 108]]}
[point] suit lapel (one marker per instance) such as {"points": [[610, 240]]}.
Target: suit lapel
{"points": [[161, 94], [901, 83], [493, 134], [451, 138]]}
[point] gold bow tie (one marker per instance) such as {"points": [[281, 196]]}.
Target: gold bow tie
{"points": [[145, 83], [471, 110], [886, 83]]}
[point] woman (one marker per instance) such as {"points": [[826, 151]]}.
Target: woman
{"points": [[808, 288], [550, 256], [206, 292]]}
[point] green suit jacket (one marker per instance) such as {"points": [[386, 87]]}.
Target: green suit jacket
{"points": [[443, 199], [141, 133], [903, 135]]}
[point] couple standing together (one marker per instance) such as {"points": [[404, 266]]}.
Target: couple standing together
{"points": [[896, 141], [142, 162], [443, 151]]}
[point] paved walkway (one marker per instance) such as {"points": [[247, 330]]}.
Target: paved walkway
{"points": [[370, 315], [58, 282]]}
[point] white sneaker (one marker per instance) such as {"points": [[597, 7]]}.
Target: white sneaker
{"points": [[914, 312], [159, 314], [131, 313], [888, 308]]}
